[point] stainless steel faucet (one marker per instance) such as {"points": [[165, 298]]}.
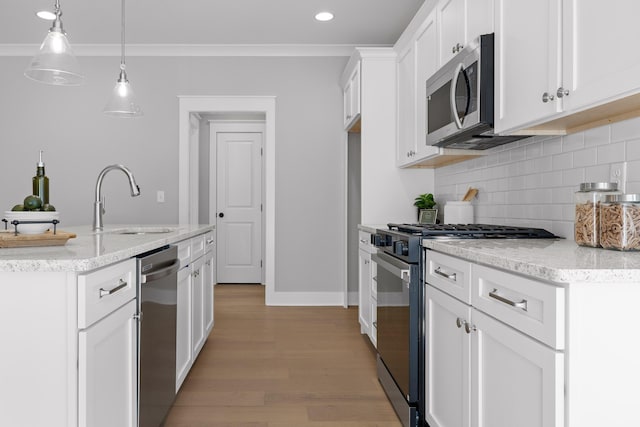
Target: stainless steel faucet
{"points": [[98, 205]]}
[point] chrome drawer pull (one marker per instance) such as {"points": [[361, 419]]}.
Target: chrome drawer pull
{"points": [[439, 272], [104, 292], [520, 304]]}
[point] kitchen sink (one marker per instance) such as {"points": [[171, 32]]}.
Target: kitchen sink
{"points": [[141, 230]]}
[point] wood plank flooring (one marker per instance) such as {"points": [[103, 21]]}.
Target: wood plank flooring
{"points": [[282, 367]]}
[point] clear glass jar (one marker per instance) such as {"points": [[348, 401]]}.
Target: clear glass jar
{"points": [[620, 222], [587, 200]]}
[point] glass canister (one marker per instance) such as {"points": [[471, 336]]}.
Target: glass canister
{"points": [[620, 222], [587, 200]]}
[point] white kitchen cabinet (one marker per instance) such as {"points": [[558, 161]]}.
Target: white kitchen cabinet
{"points": [[107, 370], [406, 116], [515, 380], [460, 21], [448, 347], [418, 59], [195, 301], [184, 328], [483, 371], [197, 306], [367, 288], [575, 78], [209, 275], [527, 58], [351, 97]]}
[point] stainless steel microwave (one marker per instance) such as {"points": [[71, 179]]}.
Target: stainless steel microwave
{"points": [[460, 100]]}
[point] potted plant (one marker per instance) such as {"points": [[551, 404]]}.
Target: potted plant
{"points": [[426, 212]]}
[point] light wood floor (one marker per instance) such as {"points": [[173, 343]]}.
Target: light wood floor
{"points": [[282, 367]]}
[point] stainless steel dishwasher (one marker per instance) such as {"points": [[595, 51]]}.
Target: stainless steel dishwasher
{"points": [[157, 303]]}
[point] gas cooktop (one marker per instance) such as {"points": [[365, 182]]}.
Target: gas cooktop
{"points": [[471, 231]]}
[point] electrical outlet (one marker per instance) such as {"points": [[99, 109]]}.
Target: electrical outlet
{"points": [[618, 173], [160, 197]]}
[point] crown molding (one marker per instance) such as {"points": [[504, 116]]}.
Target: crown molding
{"points": [[195, 50]]}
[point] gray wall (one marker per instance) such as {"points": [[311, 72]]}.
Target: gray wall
{"points": [[79, 141]]}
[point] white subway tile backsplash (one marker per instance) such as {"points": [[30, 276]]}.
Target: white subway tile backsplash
{"points": [[585, 157], [573, 142], [562, 161], [532, 182], [626, 130], [611, 153], [597, 136]]}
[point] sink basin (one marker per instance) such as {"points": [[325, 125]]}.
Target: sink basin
{"points": [[142, 230]]}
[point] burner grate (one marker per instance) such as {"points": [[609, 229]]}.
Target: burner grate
{"points": [[472, 231]]}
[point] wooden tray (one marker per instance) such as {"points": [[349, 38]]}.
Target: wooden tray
{"points": [[8, 239]]}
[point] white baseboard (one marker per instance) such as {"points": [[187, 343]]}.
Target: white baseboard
{"points": [[305, 298], [353, 298]]}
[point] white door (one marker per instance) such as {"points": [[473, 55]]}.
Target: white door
{"points": [[239, 207]]}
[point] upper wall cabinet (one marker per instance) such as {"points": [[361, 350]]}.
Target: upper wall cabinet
{"points": [[418, 59], [351, 97], [460, 21], [555, 74]]}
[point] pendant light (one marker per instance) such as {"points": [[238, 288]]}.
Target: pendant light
{"points": [[122, 102], [55, 62]]}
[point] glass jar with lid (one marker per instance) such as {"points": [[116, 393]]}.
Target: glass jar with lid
{"points": [[620, 222], [587, 200]]}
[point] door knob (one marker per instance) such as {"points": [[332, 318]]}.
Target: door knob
{"points": [[221, 215]]}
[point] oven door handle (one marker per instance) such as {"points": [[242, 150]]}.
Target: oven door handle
{"points": [[397, 268]]}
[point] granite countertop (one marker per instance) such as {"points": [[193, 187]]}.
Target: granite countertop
{"points": [[554, 260], [371, 228], [90, 250]]}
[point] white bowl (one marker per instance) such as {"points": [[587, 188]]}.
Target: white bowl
{"points": [[31, 216]]}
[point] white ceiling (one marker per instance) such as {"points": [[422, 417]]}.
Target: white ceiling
{"points": [[213, 22]]}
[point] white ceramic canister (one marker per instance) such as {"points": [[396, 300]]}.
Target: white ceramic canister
{"points": [[458, 212]]}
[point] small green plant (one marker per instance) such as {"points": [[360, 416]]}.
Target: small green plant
{"points": [[425, 201]]}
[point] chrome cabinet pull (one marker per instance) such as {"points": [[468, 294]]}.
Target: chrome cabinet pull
{"points": [[439, 272], [209, 241], [562, 92], [518, 304], [460, 322], [105, 292], [468, 327], [546, 97]]}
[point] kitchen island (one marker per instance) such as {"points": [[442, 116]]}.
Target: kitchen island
{"points": [[535, 333], [69, 317]]}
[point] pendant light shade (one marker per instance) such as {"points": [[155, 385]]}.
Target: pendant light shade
{"points": [[55, 62], [122, 102]]}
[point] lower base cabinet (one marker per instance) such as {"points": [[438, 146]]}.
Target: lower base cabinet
{"points": [[195, 317], [107, 371]]}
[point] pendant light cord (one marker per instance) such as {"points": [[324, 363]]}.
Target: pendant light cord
{"points": [[122, 63]]}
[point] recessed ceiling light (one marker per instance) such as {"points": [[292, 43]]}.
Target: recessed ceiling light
{"points": [[324, 16], [46, 15]]}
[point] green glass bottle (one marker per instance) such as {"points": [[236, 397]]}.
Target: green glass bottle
{"points": [[41, 183]]}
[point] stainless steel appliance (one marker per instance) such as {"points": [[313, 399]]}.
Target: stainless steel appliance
{"points": [[460, 100], [401, 308], [157, 298]]}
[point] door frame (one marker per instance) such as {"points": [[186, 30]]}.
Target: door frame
{"points": [[186, 202], [234, 126]]}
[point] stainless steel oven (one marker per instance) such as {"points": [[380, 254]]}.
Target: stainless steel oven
{"points": [[400, 335]]}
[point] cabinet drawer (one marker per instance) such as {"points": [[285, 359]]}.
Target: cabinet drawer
{"points": [[208, 242], [533, 307], [449, 274], [197, 247], [184, 252], [364, 241], [103, 291]]}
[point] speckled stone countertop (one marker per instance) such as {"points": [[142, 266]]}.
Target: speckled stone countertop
{"points": [[555, 260], [90, 250]]}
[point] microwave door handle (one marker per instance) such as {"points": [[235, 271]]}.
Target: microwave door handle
{"points": [[452, 96]]}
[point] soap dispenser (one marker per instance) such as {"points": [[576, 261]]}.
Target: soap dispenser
{"points": [[41, 183]]}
